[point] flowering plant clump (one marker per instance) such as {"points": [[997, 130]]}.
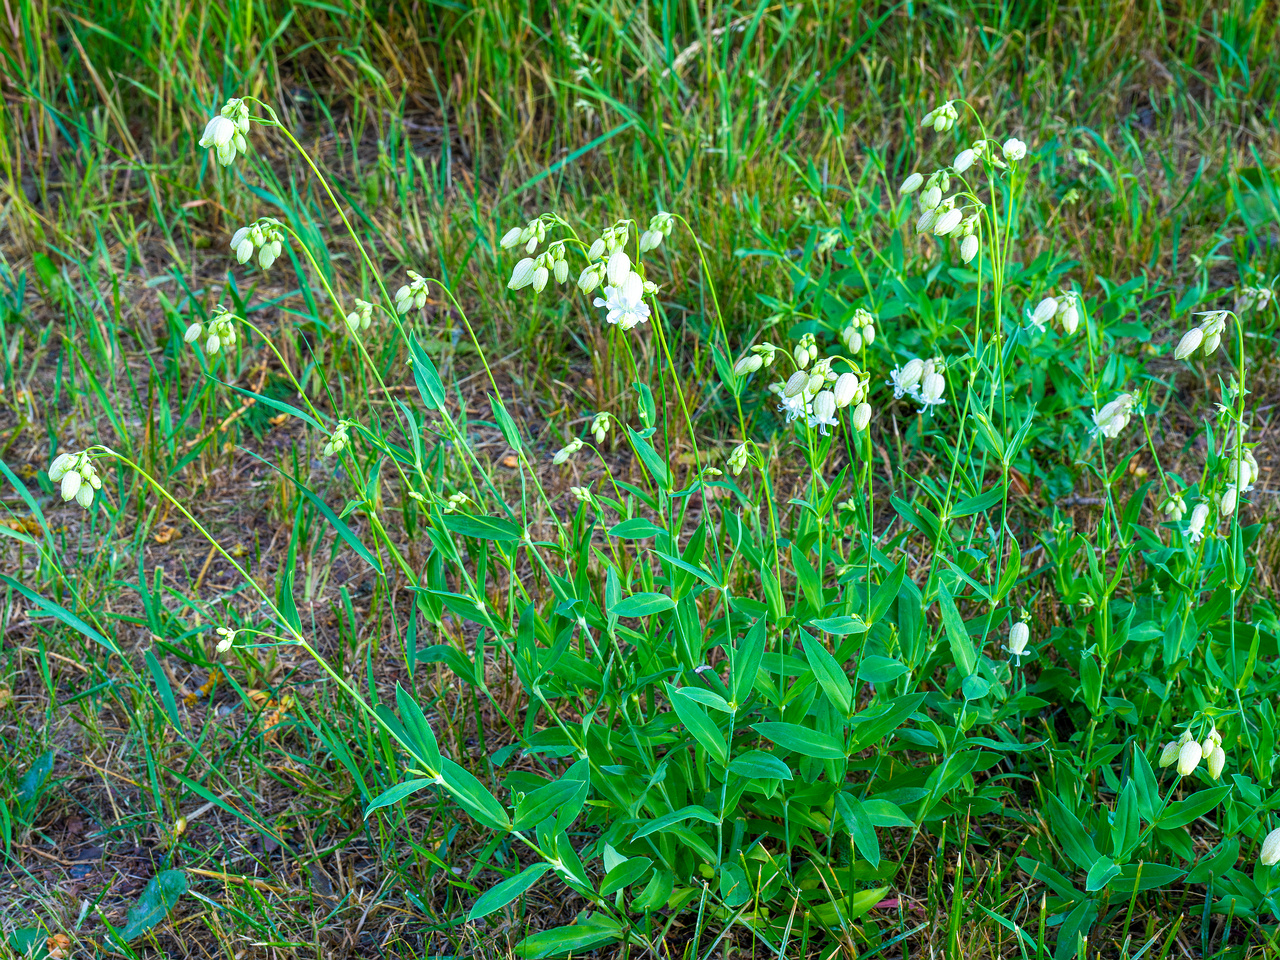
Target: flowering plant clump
{"points": [[831, 589]]}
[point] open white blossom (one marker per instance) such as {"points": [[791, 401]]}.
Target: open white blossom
{"points": [[1195, 529], [823, 411], [624, 304], [1114, 416]]}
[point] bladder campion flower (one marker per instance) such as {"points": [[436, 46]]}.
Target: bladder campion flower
{"points": [[76, 476], [1174, 507], [222, 330], [568, 450], [226, 637], [1019, 637], [942, 118], [660, 226], [413, 295], [1014, 149], [624, 304], [266, 236], [339, 440], [600, 426], [1195, 529], [225, 133], [1189, 757], [1270, 853], [1114, 416], [824, 411], [361, 316]]}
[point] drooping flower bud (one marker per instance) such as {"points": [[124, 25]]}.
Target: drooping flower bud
{"points": [[600, 427], [618, 267], [748, 364], [911, 184], [511, 238], [1227, 501], [861, 416], [738, 459], [1270, 853], [797, 383], [1019, 636], [845, 390], [948, 222], [522, 275], [968, 248], [567, 451], [1189, 757], [1045, 311], [931, 198], [1170, 753], [963, 161], [1174, 507], [1189, 344]]}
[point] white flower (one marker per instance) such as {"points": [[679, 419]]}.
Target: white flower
{"points": [[911, 184], [226, 638], [926, 221], [738, 459], [1045, 311], [846, 389], [948, 222], [1069, 311], [861, 416], [1113, 417], [931, 198], [413, 295], [1227, 501], [77, 477], [567, 451], [904, 380], [942, 118], [1019, 636], [523, 274], [660, 226], [618, 268], [1189, 757], [796, 384], [968, 248], [221, 136], [339, 441], [1174, 507], [510, 238], [824, 412], [794, 407], [266, 235], [1014, 149], [932, 387], [1189, 344], [1170, 753], [1195, 529], [1270, 853], [361, 317], [222, 331], [749, 363], [964, 160], [625, 303], [852, 339], [600, 427]]}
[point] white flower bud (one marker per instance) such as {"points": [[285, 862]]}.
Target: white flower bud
{"points": [[589, 279], [801, 356], [650, 240], [71, 484], [523, 274], [824, 405], [926, 221], [61, 466], [968, 248], [1174, 507], [84, 496], [596, 250], [1195, 529], [948, 222], [540, 278], [911, 184], [853, 340], [600, 427], [796, 384], [511, 238], [1189, 344], [748, 364], [1045, 311], [1014, 149], [1170, 753], [226, 639], [561, 271], [1227, 502], [564, 453], [738, 459], [1019, 636], [1070, 318], [1270, 853], [869, 334], [963, 161], [1211, 342], [861, 416], [911, 373], [846, 389], [930, 199], [1189, 757], [618, 268]]}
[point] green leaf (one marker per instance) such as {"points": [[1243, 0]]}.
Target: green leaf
{"points": [[840, 626], [578, 938], [473, 796], [643, 605], [275, 404], [878, 721], [424, 374], [65, 617], [638, 528], [624, 875], [510, 432], [983, 501], [421, 738], [746, 660], [966, 658], [830, 675], [861, 830], [482, 528], [157, 899], [397, 793], [802, 740], [497, 897], [30, 943], [1103, 869], [877, 669], [692, 811], [706, 697], [760, 765], [698, 723], [548, 800], [1182, 812], [656, 466]]}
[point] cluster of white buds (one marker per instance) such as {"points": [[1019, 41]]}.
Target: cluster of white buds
{"points": [[222, 330], [531, 235], [860, 331], [600, 427], [827, 240], [738, 459], [339, 440], [536, 271], [1019, 637], [1114, 416], [1188, 753], [761, 355], [265, 235], [660, 226], [568, 450], [941, 118], [225, 133], [1174, 507], [413, 295], [361, 316], [226, 637], [806, 351], [921, 380], [1014, 149], [77, 476], [1195, 527], [1205, 338], [1065, 307], [456, 502], [1253, 298], [581, 494]]}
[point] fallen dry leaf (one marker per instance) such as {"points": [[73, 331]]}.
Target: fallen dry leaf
{"points": [[510, 461], [22, 524], [276, 421], [165, 534]]}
